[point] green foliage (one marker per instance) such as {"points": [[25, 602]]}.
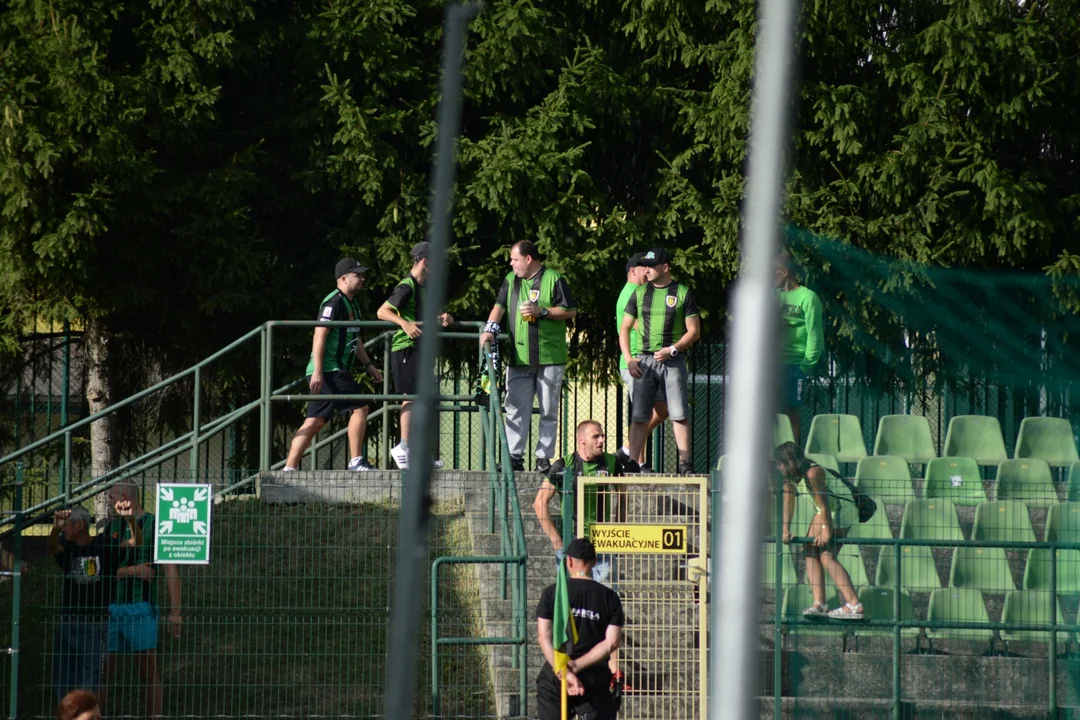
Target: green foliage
{"points": [[164, 163]]}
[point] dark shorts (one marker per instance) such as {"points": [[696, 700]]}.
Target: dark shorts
{"points": [[403, 364], [791, 386], [336, 383], [596, 700]]}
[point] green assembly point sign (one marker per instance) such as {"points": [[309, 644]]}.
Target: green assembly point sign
{"points": [[183, 524]]}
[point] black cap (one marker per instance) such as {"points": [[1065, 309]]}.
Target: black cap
{"points": [[581, 549], [634, 261], [420, 251], [656, 256], [348, 265]]}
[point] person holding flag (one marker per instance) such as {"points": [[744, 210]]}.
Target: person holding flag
{"points": [[579, 624]]}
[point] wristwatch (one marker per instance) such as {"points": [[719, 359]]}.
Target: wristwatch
{"points": [[674, 351], [543, 312]]}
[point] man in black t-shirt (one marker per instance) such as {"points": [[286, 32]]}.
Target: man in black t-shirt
{"points": [[89, 565], [598, 616]]}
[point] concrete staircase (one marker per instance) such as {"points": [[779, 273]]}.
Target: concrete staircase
{"points": [[665, 691]]}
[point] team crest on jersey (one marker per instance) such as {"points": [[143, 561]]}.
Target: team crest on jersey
{"points": [[534, 296], [670, 300]]}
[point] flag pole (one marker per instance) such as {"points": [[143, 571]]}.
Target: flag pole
{"points": [[563, 693]]}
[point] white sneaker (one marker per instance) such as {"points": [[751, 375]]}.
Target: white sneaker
{"points": [[360, 465], [401, 456], [288, 469]]}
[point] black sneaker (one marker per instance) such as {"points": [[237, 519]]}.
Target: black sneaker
{"points": [[686, 468], [620, 454], [645, 470], [543, 465], [517, 464]]}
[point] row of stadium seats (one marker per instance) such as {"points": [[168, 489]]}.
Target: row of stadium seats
{"points": [[908, 436], [973, 568], [995, 521], [1024, 607]]}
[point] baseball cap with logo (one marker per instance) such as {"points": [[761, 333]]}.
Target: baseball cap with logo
{"points": [[656, 256], [348, 265], [420, 251], [634, 261]]}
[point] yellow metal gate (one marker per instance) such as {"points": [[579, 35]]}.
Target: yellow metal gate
{"points": [[653, 530]]}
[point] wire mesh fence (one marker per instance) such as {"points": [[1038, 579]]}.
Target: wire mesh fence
{"points": [[289, 618]]}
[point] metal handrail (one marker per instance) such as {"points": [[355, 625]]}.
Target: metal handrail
{"points": [[512, 550]]}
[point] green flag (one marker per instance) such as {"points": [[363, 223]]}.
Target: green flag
{"points": [[564, 632]]}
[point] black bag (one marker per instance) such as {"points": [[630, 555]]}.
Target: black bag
{"points": [[863, 502]]}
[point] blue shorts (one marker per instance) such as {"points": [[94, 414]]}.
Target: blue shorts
{"points": [[78, 651], [791, 378], [133, 627]]}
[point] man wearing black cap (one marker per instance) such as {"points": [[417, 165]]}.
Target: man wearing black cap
{"points": [[402, 308], [666, 314], [598, 617], [635, 278], [329, 369]]}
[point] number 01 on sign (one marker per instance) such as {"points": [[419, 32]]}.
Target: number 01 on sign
{"points": [[182, 535], [624, 538]]}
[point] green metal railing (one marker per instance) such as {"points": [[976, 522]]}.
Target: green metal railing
{"points": [[779, 622], [189, 443], [504, 515]]}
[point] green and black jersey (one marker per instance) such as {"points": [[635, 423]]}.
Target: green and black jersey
{"points": [[542, 342], [408, 300], [129, 589], [607, 464], [340, 341], [661, 313]]}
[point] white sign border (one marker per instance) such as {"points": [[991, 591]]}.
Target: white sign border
{"points": [[209, 525]]}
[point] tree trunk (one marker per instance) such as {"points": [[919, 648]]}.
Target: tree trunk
{"points": [[104, 447]]}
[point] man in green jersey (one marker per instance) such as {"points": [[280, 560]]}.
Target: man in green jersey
{"points": [[635, 277], [133, 614], [402, 308], [329, 369], [666, 314], [538, 303], [802, 337]]}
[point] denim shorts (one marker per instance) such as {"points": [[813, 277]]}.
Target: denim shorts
{"points": [[78, 652]]}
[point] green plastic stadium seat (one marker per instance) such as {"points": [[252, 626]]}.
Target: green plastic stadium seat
{"points": [[1028, 480], [885, 477], [907, 436], [851, 559], [1004, 520], [1031, 606], [825, 461], [1048, 438], [878, 605], [1037, 570], [917, 570], [977, 568], [930, 520], [956, 479], [975, 436], [837, 435], [876, 527], [958, 605], [768, 567], [1063, 522], [782, 432], [800, 597], [1073, 493]]}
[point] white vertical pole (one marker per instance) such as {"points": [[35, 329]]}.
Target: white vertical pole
{"points": [[751, 390]]}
